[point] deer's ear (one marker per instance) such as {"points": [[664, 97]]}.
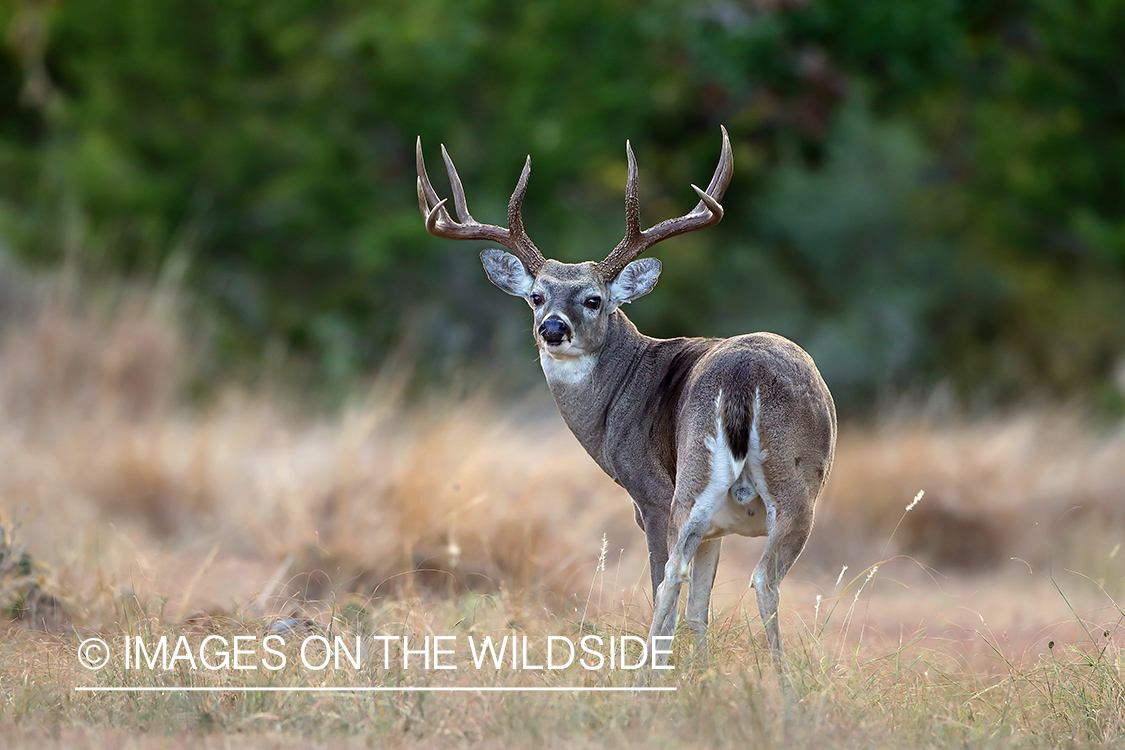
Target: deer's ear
{"points": [[507, 272], [635, 280]]}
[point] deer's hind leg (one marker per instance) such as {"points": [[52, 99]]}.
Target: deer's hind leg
{"points": [[789, 520], [702, 482]]}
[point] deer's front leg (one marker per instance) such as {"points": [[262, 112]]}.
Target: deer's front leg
{"points": [[703, 567], [656, 534], [651, 491]]}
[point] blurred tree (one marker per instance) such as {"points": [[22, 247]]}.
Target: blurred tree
{"points": [[1043, 193], [926, 189]]}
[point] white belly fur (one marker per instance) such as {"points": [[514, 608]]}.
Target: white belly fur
{"points": [[744, 520]]}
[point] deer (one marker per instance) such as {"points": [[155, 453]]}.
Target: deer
{"points": [[710, 437]]}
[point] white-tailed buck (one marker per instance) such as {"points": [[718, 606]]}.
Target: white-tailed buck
{"points": [[709, 436]]}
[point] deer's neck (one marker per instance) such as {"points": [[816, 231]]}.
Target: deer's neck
{"points": [[594, 392]]}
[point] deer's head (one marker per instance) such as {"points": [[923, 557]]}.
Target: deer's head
{"points": [[572, 302]]}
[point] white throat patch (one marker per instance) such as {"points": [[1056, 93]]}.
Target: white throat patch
{"points": [[567, 371]]}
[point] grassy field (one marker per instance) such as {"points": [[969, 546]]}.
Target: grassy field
{"points": [[985, 615]]}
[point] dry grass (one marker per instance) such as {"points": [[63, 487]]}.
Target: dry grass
{"points": [[144, 514]]}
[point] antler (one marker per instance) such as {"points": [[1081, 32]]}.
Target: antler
{"points": [[438, 221], [706, 213]]}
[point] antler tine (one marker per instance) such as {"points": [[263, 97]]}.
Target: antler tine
{"points": [[441, 224], [427, 196], [515, 204], [522, 245], [707, 212], [459, 203], [723, 171], [632, 200]]}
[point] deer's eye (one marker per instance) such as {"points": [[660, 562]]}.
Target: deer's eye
{"points": [[593, 302], [537, 299]]}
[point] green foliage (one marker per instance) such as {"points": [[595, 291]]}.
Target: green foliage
{"points": [[925, 190]]}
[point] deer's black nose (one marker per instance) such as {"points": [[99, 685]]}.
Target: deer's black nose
{"points": [[554, 330]]}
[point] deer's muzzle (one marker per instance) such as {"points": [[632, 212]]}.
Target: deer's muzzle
{"points": [[554, 330]]}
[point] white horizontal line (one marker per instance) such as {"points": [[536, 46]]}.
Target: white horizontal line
{"points": [[412, 689]]}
